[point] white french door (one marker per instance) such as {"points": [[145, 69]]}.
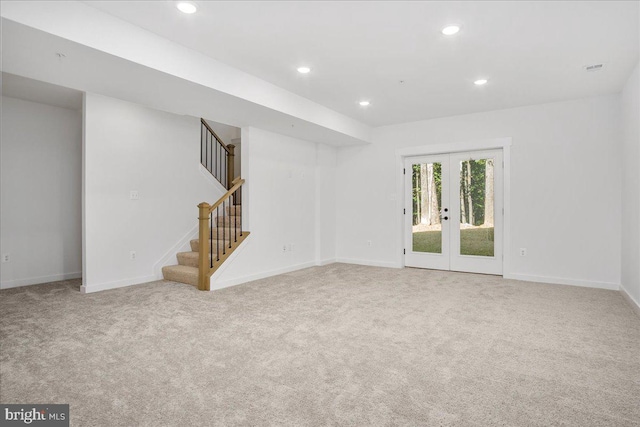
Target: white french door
{"points": [[453, 212]]}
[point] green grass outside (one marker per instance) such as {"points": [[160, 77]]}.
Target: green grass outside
{"points": [[473, 241]]}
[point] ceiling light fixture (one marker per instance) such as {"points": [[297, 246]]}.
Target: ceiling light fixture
{"points": [[364, 103], [186, 7], [304, 70], [480, 82], [450, 30]]}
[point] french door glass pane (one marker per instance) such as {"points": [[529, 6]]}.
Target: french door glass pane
{"points": [[427, 202], [476, 207]]}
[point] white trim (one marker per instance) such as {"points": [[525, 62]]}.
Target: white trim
{"points": [[258, 276], [563, 281], [39, 280], [327, 261], [183, 245], [635, 306], [506, 205], [369, 263], [214, 277], [117, 284], [454, 147], [212, 179]]}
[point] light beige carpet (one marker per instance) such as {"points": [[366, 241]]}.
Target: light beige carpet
{"points": [[335, 345]]}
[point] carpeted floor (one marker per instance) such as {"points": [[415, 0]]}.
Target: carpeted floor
{"points": [[334, 345]]}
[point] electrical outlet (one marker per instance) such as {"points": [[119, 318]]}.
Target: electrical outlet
{"points": [[133, 195], [6, 258], [523, 251], [132, 255], [291, 247], [368, 242]]}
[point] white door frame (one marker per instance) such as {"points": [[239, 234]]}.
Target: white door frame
{"points": [[447, 148]]}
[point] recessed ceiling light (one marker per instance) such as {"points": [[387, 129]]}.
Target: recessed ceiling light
{"points": [[186, 7], [480, 82], [364, 103], [450, 30], [304, 70]]}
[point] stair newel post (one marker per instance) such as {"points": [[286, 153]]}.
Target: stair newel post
{"points": [[203, 235], [230, 166]]}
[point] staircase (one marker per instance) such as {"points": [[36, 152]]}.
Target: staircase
{"points": [[220, 225], [221, 241]]}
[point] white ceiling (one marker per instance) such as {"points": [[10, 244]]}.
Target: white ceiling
{"points": [[531, 52], [37, 91]]}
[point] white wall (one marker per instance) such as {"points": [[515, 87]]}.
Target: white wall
{"points": [[565, 189], [41, 178], [631, 186], [287, 200], [130, 147]]}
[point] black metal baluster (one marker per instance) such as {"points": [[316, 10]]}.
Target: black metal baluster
{"points": [[230, 203], [241, 210], [210, 240], [224, 226], [206, 147], [235, 217], [218, 232]]}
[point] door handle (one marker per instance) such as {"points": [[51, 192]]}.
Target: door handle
{"points": [[444, 210]]}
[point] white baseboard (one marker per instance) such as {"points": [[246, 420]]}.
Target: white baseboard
{"points": [[563, 281], [213, 181], [635, 306], [368, 262], [250, 278], [169, 258], [39, 280], [117, 284], [325, 262]]}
